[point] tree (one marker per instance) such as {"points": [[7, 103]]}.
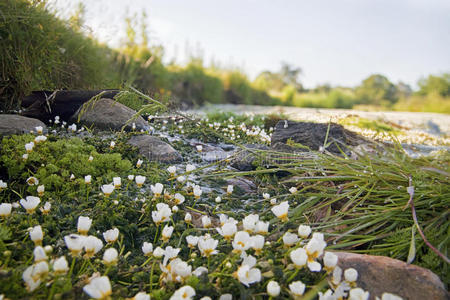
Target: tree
{"points": [[378, 90], [434, 84], [287, 75]]}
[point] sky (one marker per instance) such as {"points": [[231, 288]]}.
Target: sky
{"points": [[339, 42]]}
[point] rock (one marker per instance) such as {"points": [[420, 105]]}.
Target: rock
{"points": [[15, 124], [379, 274], [107, 114], [243, 159], [212, 153], [154, 149], [244, 185], [312, 135]]}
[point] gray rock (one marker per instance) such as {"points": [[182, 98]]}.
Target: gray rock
{"points": [[242, 185], [313, 135], [154, 149], [107, 114], [379, 274], [243, 159], [15, 124]]}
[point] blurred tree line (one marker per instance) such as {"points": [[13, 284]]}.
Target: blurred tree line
{"points": [[39, 51]]}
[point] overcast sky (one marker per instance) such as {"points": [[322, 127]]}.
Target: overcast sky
{"points": [[334, 41]]}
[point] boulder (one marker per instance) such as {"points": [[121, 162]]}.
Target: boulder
{"points": [[155, 149], [15, 124], [107, 114], [243, 159], [379, 274], [242, 185], [313, 135]]}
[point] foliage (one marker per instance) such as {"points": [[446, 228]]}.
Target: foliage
{"points": [[377, 89], [435, 85]]}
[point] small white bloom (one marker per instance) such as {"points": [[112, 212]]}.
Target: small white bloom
{"points": [[350, 275], [249, 222], [299, 257], [107, 189], [110, 256], [141, 295], [358, 294], [98, 288], [32, 181], [60, 265], [140, 180], [179, 198], [37, 235], [112, 144], [293, 190], [25, 156], [139, 163], [230, 189], [5, 209], [199, 148], [297, 288], [74, 243], [188, 218], [117, 181], [304, 231], [88, 179], [206, 222], [190, 168], [167, 233], [39, 254], [197, 191], [290, 239], [172, 170], [174, 209], [208, 246], [157, 189], [241, 241], [266, 196], [181, 179], [91, 158], [92, 245], [330, 261], [29, 147], [130, 177], [30, 203], [257, 243], [273, 288], [192, 241], [184, 293], [39, 129], [72, 177], [111, 235], [147, 248], [389, 296], [281, 210], [84, 223], [228, 230]]}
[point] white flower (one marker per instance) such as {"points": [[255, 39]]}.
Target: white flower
{"points": [[32, 180], [40, 189], [206, 222], [241, 241], [73, 127], [358, 294], [262, 227], [130, 177], [350, 275], [39, 129], [192, 241], [39, 254], [107, 189], [293, 190], [314, 248], [266, 196], [30, 203], [88, 179], [197, 191], [92, 245], [40, 139], [98, 288], [75, 243], [84, 223], [304, 231], [37, 235], [257, 243], [111, 235], [140, 180], [290, 239], [174, 209], [162, 214], [188, 218], [5, 209], [181, 179], [208, 246], [91, 158], [157, 189], [117, 181], [112, 144], [110, 256], [190, 168], [172, 170], [147, 248], [281, 210], [60, 265], [227, 230], [46, 209], [141, 295], [297, 288], [169, 253], [167, 233], [199, 271], [226, 297], [178, 198], [273, 288], [249, 222], [337, 275], [218, 199], [330, 261], [273, 201], [29, 147], [185, 292], [199, 148], [299, 257], [139, 163], [230, 189], [248, 275]]}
